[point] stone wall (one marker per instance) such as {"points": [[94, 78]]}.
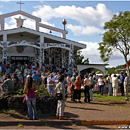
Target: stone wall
{"points": [[46, 105]]}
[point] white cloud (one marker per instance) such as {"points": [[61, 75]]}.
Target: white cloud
{"points": [[29, 23], [12, 22], [1, 6], [93, 54], [86, 16], [80, 30]]}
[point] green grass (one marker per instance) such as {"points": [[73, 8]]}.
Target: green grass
{"points": [[19, 125], [19, 119], [102, 98], [3, 111], [74, 124], [42, 91], [108, 98], [9, 115]]}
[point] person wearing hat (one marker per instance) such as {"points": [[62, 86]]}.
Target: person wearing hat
{"points": [[126, 86], [115, 85]]}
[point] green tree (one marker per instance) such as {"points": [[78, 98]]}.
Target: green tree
{"points": [[86, 61], [116, 37], [80, 58]]}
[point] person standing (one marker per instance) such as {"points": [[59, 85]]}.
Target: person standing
{"points": [[13, 67], [76, 70], [30, 90], [77, 88], [109, 80], [86, 89], [61, 103], [122, 83], [115, 85], [25, 76], [35, 77], [91, 86], [50, 83], [70, 70], [42, 79], [1, 81], [20, 77], [19, 67], [126, 86], [101, 84], [72, 80], [68, 83]]}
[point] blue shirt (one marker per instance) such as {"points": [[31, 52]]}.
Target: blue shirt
{"points": [[55, 78], [35, 77], [25, 76], [32, 71], [8, 71], [122, 79], [2, 67]]}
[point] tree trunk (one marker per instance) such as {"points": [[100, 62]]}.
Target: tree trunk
{"points": [[127, 67]]}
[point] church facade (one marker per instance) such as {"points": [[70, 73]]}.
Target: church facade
{"points": [[23, 44]]}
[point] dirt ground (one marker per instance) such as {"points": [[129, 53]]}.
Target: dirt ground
{"points": [[75, 113]]}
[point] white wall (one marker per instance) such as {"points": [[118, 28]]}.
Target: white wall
{"points": [[28, 51], [98, 67]]}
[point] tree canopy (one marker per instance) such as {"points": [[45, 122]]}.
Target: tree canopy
{"points": [[80, 58], [116, 37]]}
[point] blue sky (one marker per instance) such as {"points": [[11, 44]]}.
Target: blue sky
{"points": [[85, 20]]}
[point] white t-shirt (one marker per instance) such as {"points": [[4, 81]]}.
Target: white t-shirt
{"points": [[100, 82], [50, 79]]}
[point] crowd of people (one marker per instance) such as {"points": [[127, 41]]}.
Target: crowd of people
{"points": [[65, 81]]}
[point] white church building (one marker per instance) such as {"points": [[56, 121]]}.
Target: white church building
{"points": [[23, 44]]}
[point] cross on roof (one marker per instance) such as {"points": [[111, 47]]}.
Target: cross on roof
{"points": [[20, 4]]}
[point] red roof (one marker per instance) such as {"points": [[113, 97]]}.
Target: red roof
{"points": [[126, 65]]}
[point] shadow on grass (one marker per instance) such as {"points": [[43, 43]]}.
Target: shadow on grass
{"points": [[16, 116], [52, 122]]}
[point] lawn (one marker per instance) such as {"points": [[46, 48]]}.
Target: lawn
{"points": [[105, 98]]}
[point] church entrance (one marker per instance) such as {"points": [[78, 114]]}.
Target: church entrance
{"points": [[56, 57], [20, 59]]}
